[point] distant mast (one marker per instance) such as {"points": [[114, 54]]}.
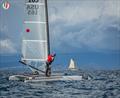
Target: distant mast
{"points": [[72, 65]]}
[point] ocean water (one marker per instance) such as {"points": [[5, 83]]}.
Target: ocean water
{"points": [[104, 84]]}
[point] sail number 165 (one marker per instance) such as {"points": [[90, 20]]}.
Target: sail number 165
{"points": [[33, 1]]}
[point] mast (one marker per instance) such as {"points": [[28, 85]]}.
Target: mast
{"points": [[47, 26]]}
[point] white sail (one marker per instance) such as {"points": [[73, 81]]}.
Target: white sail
{"points": [[72, 65], [35, 41]]}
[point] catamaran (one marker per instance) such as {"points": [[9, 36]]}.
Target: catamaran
{"points": [[36, 44]]}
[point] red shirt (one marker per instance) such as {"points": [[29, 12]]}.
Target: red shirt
{"points": [[50, 58]]}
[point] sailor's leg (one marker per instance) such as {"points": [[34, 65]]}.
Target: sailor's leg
{"points": [[47, 66], [48, 70]]}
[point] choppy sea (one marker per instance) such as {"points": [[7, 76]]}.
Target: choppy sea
{"points": [[104, 84]]}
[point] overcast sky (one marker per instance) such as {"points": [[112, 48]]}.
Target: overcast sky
{"points": [[76, 27]]}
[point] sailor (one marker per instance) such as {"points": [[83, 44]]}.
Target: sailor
{"points": [[49, 61]]}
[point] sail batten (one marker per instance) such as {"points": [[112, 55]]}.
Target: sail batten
{"points": [[35, 22], [36, 41], [35, 3], [34, 59]]}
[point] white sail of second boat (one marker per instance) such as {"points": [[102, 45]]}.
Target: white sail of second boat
{"points": [[72, 65]]}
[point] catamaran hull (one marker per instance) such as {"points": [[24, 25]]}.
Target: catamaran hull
{"points": [[55, 78], [32, 79]]}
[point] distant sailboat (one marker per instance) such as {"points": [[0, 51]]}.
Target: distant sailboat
{"points": [[72, 65]]}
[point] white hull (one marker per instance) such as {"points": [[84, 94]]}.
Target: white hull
{"points": [[32, 79], [55, 78]]}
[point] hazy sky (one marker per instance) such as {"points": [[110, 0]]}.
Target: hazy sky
{"points": [[88, 29]]}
